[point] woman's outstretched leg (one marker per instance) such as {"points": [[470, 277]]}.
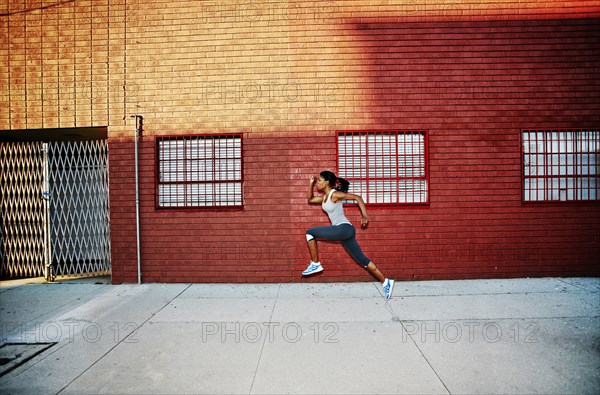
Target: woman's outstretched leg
{"points": [[375, 272], [354, 250], [356, 253], [388, 285]]}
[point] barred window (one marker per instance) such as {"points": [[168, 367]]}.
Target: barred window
{"points": [[561, 165], [385, 167], [199, 171]]}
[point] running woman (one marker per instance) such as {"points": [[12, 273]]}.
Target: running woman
{"points": [[336, 191]]}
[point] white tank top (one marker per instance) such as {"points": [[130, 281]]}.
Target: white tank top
{"points": [[335, 211]]}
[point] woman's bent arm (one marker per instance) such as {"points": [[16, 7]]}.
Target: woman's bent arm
{"points": [[337, 196], [310, 196]]}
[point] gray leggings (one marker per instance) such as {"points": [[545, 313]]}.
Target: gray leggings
{"points": [[344, 233]]}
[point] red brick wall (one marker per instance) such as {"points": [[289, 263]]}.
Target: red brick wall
{"points": [[288, 74]]}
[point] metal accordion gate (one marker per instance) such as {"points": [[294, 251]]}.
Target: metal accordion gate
{"points": [[54, 209]]}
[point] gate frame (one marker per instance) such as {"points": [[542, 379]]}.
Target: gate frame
{"points": [[46, 137]]}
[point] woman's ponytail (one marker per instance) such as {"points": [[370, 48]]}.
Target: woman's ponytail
{"points": [[342, 185], [339, 184]]}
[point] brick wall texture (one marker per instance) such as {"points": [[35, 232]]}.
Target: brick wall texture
{"points": [[288, 75]]}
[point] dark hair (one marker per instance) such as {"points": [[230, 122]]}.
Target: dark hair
{"points": [[339, 184]]}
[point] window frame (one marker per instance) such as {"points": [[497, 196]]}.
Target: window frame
{"points": [[190, 137], [576, 177], [367, 178]]}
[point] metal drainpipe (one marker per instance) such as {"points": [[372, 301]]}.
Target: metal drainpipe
{"points": [[46, 222], [138, 124]]}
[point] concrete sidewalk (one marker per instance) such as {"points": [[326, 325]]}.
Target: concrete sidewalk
{"points": [[472, 336]]}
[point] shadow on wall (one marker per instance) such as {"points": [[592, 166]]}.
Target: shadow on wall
{"points": [[480, 74]]}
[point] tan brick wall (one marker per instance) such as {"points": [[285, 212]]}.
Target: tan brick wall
{"points": [[210, 65]]}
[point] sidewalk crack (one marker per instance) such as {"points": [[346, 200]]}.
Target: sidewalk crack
{"points": [[397, 319], [262, 348]]}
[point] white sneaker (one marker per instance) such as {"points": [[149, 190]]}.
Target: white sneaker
{"points": [[388, 289], [312, 269]]}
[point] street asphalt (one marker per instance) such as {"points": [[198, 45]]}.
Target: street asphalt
{"points": [[510, 336]]}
